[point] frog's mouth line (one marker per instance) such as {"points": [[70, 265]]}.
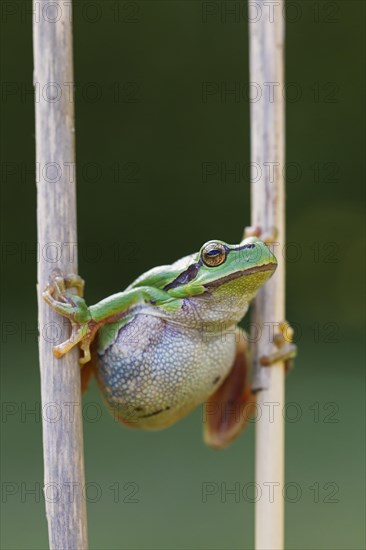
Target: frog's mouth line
{"points": [[244, 273]]}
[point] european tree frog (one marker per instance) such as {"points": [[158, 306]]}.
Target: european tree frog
{"points": [[170, 341]]}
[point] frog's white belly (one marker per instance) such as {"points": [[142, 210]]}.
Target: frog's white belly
{"points": [[157, 371]]}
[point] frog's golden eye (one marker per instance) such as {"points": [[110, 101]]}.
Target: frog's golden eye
{"points": [[213, 254]]}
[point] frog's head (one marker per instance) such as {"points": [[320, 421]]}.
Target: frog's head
{"points": [[228, 272]]}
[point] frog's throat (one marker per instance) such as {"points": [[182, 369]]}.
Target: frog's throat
{"points": [[271, 267]]}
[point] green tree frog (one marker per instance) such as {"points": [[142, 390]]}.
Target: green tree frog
{"points": [[170, 341]]}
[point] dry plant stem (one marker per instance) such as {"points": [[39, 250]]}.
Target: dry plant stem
{"points": [[57, 237], [266, 36]]}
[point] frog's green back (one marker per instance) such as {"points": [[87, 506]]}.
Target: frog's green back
{"points": [[159, 277]]}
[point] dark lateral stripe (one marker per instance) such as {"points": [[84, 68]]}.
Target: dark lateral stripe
{"points": [[187, 276], [243, 273], [191, 273]]}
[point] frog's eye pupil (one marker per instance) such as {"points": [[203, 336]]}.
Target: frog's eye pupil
{"points": [[213, 254]]}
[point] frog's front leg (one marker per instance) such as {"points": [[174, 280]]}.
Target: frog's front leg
{"points": [[286, 350], [86, 321], [73, 307]]}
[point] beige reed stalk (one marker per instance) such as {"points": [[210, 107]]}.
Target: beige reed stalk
{"points": [[266, 40], [57, 238]]}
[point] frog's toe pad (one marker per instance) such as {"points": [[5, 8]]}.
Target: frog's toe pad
{"points": [[229, 408]]}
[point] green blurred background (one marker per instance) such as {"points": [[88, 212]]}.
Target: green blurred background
{"points": [[144, 131]]}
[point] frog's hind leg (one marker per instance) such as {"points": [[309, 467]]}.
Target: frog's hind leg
{"points": [[89, 369], [232, 405], [86, 374]]}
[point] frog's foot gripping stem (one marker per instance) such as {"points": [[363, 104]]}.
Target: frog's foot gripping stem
{"points": [[73, 307], [286, 350]]}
